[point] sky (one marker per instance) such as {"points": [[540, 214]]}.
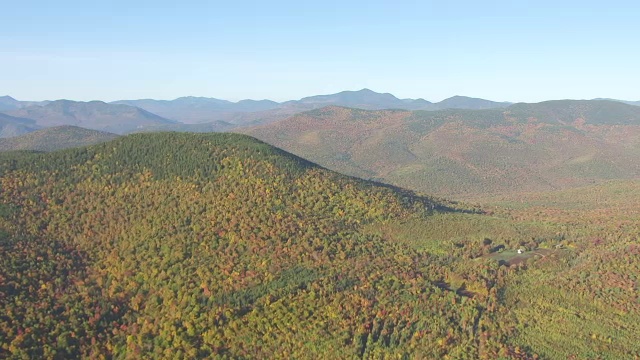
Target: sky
{"points": [[500, 50]]}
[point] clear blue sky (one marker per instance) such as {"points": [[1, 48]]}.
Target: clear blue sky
{"points": [[500, 50]]}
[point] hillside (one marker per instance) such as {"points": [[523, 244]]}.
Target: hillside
{"points": [[55, 138], [216, 126], [95, 115], [12, 126], [576, 112], [544, 146], [184, 246], [207, 244]]}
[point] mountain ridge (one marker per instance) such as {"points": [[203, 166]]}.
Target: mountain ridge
{"points": [[202, 109], [96, 115], [635, 103], [55, 138], [200, 114], [457, 152], [14, 126]]}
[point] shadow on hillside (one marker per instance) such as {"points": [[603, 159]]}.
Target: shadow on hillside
{"points": [[432, 203]]}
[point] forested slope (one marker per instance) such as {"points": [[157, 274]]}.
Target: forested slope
{"points": [[183, 245], [218, 245], [462, 153]]}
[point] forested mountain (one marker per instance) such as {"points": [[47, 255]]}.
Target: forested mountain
{"points": [[185, 245], [96, 115], [13, 126], [55, 138], [543, 146], [218, 245]]}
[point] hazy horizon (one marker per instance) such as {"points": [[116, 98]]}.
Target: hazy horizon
{"points": [[283, 50], [310, 95]]}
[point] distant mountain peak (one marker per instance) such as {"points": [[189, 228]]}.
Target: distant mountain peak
{"points": [[191, 97], [466, 102], [8, 103], [367, 91]]}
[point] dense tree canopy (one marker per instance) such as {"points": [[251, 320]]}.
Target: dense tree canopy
{"points": [[218, 245]]}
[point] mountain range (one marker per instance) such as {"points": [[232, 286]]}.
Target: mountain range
{"points": [[198, 109], [209, 114], [199, 114], [451, 152]]}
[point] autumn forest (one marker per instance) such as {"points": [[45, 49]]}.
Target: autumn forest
{"points": [[186, 246]]}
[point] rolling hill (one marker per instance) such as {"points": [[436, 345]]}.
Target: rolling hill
{"points": [[199, 242], [544, 146], [55, 138], [13, 126], [95, 115]]}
